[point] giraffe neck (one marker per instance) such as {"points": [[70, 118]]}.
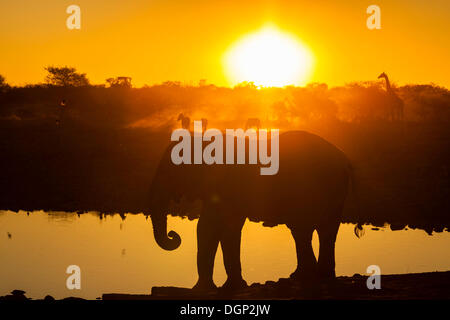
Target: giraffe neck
{"points": [[388, 84]]}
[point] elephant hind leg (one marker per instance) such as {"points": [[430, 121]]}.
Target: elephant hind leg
{"points": [[231, 247], [306, 260], [327, 239]]}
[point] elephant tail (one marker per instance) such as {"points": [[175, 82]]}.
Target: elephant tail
{"points": [[359, 230]]}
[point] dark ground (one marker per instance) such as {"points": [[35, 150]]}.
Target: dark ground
{"points": [[435, 285], [432, 286]]}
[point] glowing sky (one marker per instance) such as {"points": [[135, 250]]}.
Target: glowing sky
{"points": [[157, 40]]}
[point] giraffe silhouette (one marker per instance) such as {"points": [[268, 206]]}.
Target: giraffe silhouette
{"points": [[394, 101], [185, 121]]}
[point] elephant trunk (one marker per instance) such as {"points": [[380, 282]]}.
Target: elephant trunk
{"points": [[167, 241]]}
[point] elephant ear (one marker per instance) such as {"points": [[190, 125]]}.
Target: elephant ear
{"points": [[359, 230]]}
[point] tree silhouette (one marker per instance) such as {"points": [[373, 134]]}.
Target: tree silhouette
{"points": [[2, 81], [65, 77], [124, 82]]}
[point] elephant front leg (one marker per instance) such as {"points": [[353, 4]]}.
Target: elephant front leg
{"points": [[231, 247], [207, 242]]}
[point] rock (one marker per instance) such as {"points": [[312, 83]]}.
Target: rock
{"points": [[16, 295], [395, 227], [18, 292], [73, 299]]}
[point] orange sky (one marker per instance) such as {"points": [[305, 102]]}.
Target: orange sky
{"points": [[158, 40]]}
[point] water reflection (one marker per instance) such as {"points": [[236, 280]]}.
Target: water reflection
{"points": [[118, 254]]}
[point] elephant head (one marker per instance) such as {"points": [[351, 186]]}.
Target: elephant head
{"points": [[170, 182]]}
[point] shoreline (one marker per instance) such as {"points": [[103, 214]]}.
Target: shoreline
{"points": [[411, 286]]}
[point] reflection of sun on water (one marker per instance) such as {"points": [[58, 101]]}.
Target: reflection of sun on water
{"points": [[269, 58]]}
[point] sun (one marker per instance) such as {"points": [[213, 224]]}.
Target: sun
{"points": [[269, 58]]}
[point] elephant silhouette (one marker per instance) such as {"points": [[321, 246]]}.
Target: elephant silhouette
{"points": [[307, 194]]}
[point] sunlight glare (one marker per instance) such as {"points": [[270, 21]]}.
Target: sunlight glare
{"points": [[269, 58]]}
